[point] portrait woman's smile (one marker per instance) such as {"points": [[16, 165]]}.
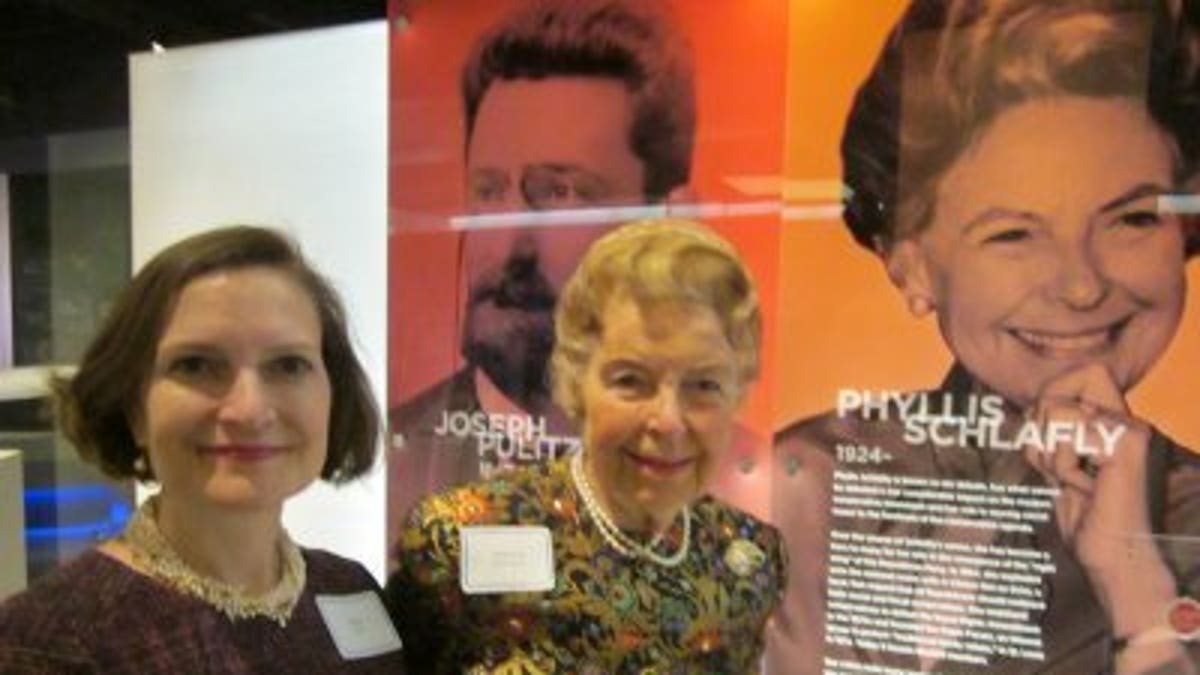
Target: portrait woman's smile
{"points": [[1048, 250]]}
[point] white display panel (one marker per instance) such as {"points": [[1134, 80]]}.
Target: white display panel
{"points": [[289, 131], [13, 573]]}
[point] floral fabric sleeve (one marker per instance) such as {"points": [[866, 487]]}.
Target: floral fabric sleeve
{"points": [[422, 594]]}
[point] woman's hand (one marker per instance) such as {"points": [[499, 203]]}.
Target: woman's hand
{"points": [[1102, 511]]}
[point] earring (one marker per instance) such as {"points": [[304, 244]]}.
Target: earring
{"points": [[919, 305], [140, 466]]}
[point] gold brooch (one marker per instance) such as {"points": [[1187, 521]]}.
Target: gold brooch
{"points": [[743, 557]]}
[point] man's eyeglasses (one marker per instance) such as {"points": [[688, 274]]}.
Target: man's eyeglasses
{"points": [[542, 187]]}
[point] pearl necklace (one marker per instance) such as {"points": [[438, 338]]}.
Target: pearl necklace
{"points": [[612, 534], [154, 554]]}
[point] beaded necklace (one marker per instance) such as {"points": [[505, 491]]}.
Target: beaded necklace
{"points": [[154, 554], [612, 534]]}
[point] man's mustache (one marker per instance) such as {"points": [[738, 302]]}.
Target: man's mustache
{"points": [[518, 284]]}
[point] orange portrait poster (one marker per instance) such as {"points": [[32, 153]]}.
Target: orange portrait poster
{"points": [[986, 449]]}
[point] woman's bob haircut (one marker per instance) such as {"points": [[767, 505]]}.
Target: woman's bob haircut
{"points": [[95, 406]]}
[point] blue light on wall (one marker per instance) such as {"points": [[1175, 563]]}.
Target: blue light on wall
{"points": [[75, 512]]}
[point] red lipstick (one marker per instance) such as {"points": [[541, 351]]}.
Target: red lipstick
{"points": [[665, 468], [243, 452]]}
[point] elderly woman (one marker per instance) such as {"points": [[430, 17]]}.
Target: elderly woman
{"points": [[612, 560], [225, 373], [1010, 162]]}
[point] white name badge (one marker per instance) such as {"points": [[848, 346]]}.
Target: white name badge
{"points": [[359, 625], [506, 559]]}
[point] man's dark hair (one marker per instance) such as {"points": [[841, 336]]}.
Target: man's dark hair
{"points": [[633, 41]]}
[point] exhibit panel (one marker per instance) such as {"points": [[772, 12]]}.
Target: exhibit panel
{"points": [[504, 169], [526, 138], [978, 329], [986, 450]]}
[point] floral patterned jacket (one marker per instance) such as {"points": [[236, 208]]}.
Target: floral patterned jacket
{"points": [[607, 613]]}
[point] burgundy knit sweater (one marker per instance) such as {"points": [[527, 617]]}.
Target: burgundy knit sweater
{"points": [[96, 615]]}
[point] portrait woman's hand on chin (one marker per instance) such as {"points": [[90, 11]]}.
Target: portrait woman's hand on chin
{"points": [[1102, 511]]}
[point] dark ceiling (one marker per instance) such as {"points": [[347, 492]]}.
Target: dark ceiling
{"points": [[63, 63]]}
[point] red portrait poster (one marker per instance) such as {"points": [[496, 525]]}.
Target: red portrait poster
{"points": [[519, 132]]}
